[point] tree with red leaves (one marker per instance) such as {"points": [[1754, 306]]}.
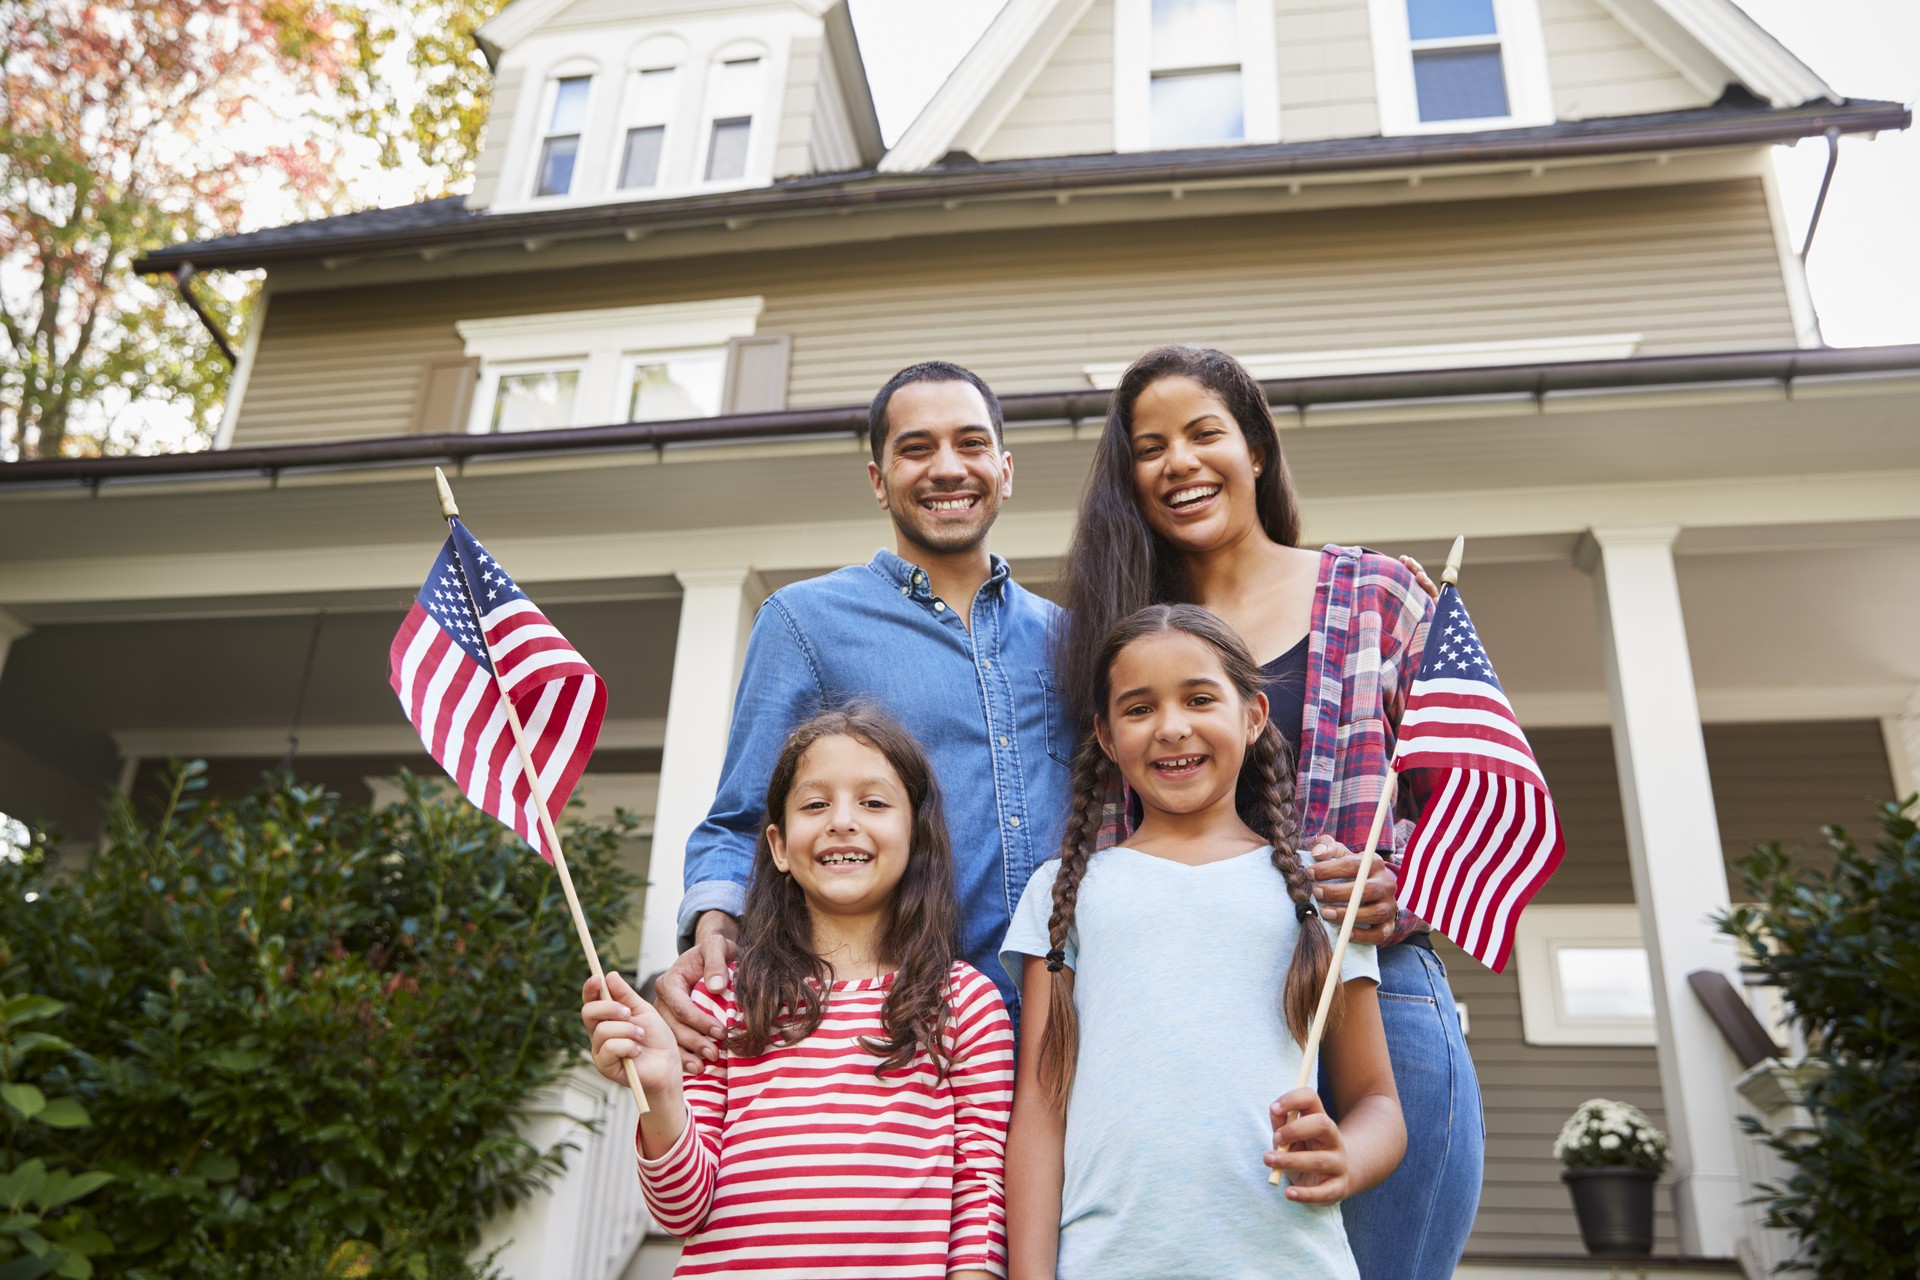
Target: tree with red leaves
{"points": [[121, 128]]}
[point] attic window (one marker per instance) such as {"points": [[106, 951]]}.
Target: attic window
{"points": [[560, 146], [1457, 69], [649, 112], [1448, 65], [733, 98], [1195, 93]]}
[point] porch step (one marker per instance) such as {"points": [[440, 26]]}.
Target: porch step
{"points": [[1582, 1267]]}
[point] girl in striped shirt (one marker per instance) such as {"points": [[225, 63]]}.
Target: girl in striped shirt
{"points": [[854, 1123]]}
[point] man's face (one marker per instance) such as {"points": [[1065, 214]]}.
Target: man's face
{"points": [[942, 475]]}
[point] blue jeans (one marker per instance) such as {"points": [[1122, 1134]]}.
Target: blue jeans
{"points": [[1414, 1225]]}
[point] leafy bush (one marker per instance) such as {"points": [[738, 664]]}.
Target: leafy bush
{"points": [[308, 1027], [1602, 1134], [45, 1230], [1844, 948]]}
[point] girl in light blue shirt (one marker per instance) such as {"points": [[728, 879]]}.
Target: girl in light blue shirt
{"points": [[1169, 983]]}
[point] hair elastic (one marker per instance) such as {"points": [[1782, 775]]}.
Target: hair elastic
{"points": [[1305, 911], [1056, 961]]}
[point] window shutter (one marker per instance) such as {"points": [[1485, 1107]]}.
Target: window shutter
{"points": [[757, 373], [446, 395]]}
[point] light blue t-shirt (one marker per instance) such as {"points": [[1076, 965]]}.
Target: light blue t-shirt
{"points": [[1178, 973]]}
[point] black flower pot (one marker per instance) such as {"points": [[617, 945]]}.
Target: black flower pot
{"points": [[1615, 1208]]}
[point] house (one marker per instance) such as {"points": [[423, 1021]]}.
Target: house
{"points": [[1516, 269]]}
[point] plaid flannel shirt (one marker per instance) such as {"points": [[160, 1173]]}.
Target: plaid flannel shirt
{"points": [[1368, 631]]}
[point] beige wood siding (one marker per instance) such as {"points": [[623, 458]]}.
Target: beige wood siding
{"points": [[1692, 268], [1325, 60], [493, 145], [793, 150], [1068, 109], [1770, 782], [1599, 68]]}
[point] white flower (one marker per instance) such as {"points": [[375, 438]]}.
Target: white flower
{"points": [[1609, 1140]]}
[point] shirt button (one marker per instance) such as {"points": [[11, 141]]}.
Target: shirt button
{"points": [[988, 664], [1003, 739], [939, 606], [1014, 821]]}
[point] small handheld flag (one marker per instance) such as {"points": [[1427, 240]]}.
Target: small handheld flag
{"points": [[442, 665], [1489, 836]]}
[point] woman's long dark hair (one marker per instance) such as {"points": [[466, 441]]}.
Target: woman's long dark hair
{"points": [[779, 984], [1265, 800], [1116, 564]]}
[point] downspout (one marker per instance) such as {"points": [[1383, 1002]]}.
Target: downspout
{"points": [[1826, 184], [183, 277]]}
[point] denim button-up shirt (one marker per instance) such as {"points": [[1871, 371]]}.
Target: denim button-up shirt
{"points": [[981, 702]]}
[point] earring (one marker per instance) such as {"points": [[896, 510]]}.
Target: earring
{"points": [[1256, 468]]}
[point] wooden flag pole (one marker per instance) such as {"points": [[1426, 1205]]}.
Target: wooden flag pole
{"points": [[1448, 575], [450, 509]]}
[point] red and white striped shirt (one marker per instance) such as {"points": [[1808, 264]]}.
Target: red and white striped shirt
{"points": [[800, 1162]]}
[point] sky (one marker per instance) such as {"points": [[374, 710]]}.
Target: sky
{"points": [[1864, 268]]}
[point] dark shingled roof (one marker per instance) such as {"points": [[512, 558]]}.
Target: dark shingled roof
{"points": [[447, 222]]}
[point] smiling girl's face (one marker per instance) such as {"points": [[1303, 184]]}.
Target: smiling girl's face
{"points": [[1193, 471], [847, 830], [1176, 726]]}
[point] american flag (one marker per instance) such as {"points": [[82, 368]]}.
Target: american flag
{"points": [[1489, 836], [440, 668]]}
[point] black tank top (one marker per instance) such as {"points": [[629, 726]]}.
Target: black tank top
{"points": [[1285, 682]]}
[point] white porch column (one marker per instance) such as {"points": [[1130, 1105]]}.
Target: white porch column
{"points": [[1902, 733], [716, 613], [1673, 843], [12, 628]]}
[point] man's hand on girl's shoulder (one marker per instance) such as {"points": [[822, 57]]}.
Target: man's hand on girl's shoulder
{"points": [[715, 939]]}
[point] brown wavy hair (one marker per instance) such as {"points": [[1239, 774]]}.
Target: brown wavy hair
{"points": [[774, 986], [1116, 564], [1265, 799]]}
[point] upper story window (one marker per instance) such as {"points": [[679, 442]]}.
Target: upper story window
{"points": [[733, 96], [1194, 73], [1451, 64], [644, 142], [560, 143]]}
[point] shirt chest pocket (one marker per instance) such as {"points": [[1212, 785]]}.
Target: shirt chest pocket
{"points": [[1059, 734]]}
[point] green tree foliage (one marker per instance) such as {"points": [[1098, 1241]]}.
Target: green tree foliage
{"points": [[307, 1028], [1844, 948], [45, 1228], [123, 127]]}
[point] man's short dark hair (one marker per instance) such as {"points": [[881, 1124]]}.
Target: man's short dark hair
{"points": [[929, 371]]}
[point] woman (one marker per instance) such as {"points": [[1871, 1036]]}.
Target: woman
{"points": [[1189, 500]]}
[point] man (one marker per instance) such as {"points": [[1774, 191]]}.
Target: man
{"points": [[938, 633]]}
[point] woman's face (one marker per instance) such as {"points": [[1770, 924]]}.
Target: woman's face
{"points": [[1193, 470]]}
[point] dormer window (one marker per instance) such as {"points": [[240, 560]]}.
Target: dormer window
{"points": [[645, 143], [1447, 65], [1194, 73], [733, 96], [560, 145]]}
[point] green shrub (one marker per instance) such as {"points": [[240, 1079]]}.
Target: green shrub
{"points": [[1844, 948], [45, 1229], [307, 1028]]}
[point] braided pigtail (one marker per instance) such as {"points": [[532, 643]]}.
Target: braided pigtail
{"points": [[1273, 812], [1060, 1045]]}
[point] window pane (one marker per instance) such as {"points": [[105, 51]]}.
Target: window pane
{"points": [[570, 105], [641, 167], [556, 165], [682, 385], [653, 97], [1199, 109], [1459, 84], [727, 155], [1195, 33], [535, 401], [1604, 982], [1439, 19]]}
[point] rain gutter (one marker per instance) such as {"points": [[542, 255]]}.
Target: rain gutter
{"points": [[1079, 406]]}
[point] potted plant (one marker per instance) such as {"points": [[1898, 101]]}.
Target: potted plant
{"points": [[1612, 1155]]}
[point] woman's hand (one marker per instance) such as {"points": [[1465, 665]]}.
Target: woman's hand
{"points": [[1334, 866], [1420, 576], [624, 1026], [1308, 1149]]}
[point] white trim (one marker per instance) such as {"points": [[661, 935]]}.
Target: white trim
{"points": [[1778, 705], [250, 743], [1447, 355], [1540, 934], [1133, 74], [989, 79], [596, 342], [1901, 733], [243, 371], [1523, 59], [1793, 268], [1720, 34]]}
